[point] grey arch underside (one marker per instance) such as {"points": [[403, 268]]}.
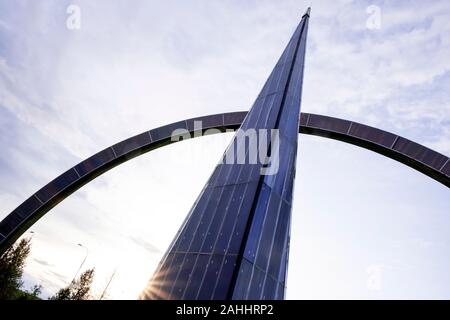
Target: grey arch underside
{"points": [[422, 159]]}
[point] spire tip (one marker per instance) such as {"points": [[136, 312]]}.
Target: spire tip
{"points": [[308, 12]]}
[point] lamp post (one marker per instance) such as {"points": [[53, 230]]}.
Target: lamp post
{"points": [[84, 260], [107, 285]]}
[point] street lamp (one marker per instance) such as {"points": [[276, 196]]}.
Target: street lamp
{"points": [[81, 265], [107, 285]]}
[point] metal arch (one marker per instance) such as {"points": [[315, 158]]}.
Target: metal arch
{"points": [[420, 158]]}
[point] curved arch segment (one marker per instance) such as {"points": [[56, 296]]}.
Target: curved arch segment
{"points": [[422, 159]]}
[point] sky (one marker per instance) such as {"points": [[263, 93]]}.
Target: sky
{"points": [[364, 226]]}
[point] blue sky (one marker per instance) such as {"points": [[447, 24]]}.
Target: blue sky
{"points": [[65, 94]]}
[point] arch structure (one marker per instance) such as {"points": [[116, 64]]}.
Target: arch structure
{"points": [[418, 157]]}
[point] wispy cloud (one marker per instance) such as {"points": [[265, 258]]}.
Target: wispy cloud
{"points": [[43, 262], [145, 244]]}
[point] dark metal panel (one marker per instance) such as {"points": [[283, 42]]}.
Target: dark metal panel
{"points": [[235, 219], [131, 144], [159, 291], [211, 274], [257, 225], [290, 126], [303, 118], [243, 280], [28, 207], [171, 274], [256, 284], [268, 230], [446, 168], [271, 107], [9, 223], [270, 288], [329, 123], [95, 162], [213, 121], [279, 182], [208, 214], [226, 272], [165, 132], [219, 213], [182, 243], [234, 118], [372, 134], [420, 153], [280, 292], [57, 185], [195, 280], [183, 276], [279, 241], [242, 218]]}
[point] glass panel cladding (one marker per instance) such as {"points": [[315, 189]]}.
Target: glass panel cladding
{"points": [[233, 244]]}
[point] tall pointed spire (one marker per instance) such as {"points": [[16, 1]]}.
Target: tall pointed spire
{"points": [[234, 243], [308, 12]]}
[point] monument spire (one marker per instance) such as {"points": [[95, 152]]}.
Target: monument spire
{"points": [[234, 243]]}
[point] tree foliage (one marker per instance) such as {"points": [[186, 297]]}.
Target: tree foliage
{"points": [[78, 289], [12, 263]]}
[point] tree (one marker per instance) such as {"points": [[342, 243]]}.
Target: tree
{"points": [[78, 289], [12, 263], [30, 295], [35, 291]]}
